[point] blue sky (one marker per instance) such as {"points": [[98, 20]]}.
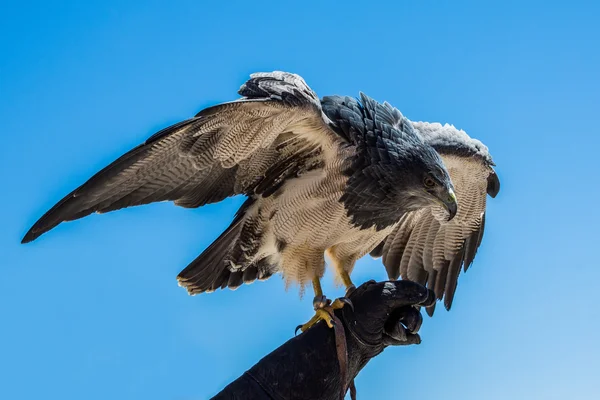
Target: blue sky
{"points": [[92, 310]]}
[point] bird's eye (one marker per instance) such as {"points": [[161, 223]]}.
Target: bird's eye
{"points": [[428, 182]]}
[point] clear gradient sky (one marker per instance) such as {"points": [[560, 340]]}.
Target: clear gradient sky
{"points": [[92, 310]]}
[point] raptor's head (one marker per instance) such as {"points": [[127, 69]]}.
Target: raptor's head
{"points": [[394, 170], [429, 184]]}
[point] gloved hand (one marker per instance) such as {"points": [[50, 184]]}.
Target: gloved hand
{"points": [[384, 314], [307, 367]]}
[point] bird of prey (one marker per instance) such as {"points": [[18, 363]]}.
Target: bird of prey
{"points": [[421, 248], [330, 176]]}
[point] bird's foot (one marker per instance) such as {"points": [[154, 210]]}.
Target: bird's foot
{"points": [[324, 309]]}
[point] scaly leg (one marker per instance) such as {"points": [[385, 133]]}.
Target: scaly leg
{"points": [[347, 282], [341, 265]]}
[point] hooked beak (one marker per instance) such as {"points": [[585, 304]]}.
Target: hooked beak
{"points": [[449, 201]]}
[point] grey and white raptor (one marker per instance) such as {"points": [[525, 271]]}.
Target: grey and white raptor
{"points": [[334, 176]]}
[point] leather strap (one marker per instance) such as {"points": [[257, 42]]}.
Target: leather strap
{"points": [[342, 355]]}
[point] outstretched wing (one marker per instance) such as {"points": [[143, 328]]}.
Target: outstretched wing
{"points": [[276, 130], [430, 252]]}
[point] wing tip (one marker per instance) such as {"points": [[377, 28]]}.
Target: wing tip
{"points": [[43, 225], [447, 303], [32, 234], [493, 186], [430, 310], [26, 239]]}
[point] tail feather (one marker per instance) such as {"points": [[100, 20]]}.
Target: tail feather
{"points": [[235, 279], [250, 274], [210, 270], [213, 269]]}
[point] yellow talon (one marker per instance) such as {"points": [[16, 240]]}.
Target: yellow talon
{"points": [[323, 314], [320, 314], [324, 308], [337, 304]]}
